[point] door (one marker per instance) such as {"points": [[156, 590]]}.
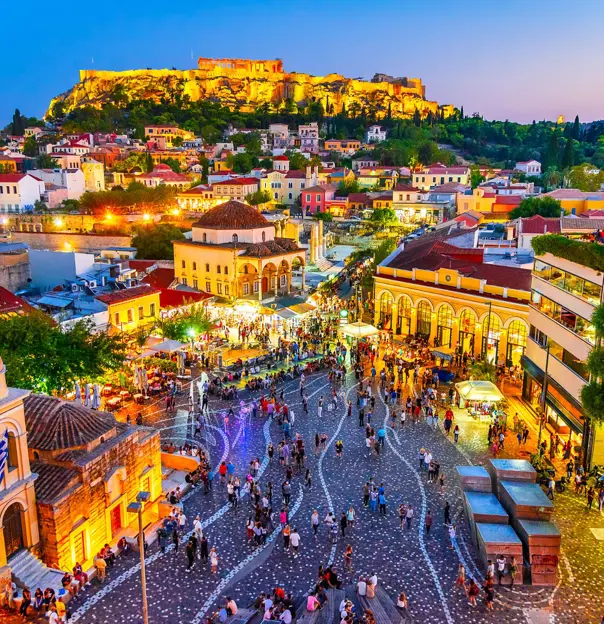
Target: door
{"points": [[79, 548], [265, 284], [13, 529], [116, 520]]}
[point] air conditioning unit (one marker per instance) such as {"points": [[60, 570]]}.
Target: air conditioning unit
{"points": [[92, 284], [75, 288]]}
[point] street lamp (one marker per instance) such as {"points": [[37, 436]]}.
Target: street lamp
{"points": [[137, 508]]}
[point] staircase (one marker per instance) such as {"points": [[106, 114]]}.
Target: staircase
{"points": [[323, 264], [29, 571]]}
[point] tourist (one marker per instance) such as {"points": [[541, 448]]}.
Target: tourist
{"points": [[213, 560], [460, 581], [500, 568], [472, 592], [428, 522], [101, 567], [294, 540]]}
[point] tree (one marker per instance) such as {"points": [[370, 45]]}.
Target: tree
{"points": [[187, 325], [18, 129], [177, 141], [568, 155], [483, 371], [348, 186], [154, 242], [383, 216], [383, 250], [257, 198], [475, 176], [297, 161], [576, 134], [40, 206], [30, 147], [46, 161], [149, 162], [543, 206], [173, 164], [551, 156], [585, 178], [44, 357], [324, 216]]}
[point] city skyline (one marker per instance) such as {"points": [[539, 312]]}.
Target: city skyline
{"points": [[500, 63]]}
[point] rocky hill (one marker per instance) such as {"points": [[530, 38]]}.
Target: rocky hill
{"points": [[248, 84]]}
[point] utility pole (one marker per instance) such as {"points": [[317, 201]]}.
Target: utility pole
{"points": [[137, 508], [543, 397]]}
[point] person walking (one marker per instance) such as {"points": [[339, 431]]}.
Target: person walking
{"points": [[343, 524], [190, 552], [447, 513], [348, 558], [314, 523], [409, 516], [294, 540], [428, 522], [382, 501], [213, 561]]}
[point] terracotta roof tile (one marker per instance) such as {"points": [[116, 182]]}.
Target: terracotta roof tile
{"points": [[232, 215], [128, 294], [52, 481]]}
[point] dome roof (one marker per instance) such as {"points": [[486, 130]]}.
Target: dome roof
{"points": [[54, 424], [232, 215], [162, 167]]}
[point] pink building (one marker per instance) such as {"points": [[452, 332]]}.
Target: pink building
{"points": [[315, 197]]}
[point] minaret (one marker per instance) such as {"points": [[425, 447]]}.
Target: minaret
{"points": [[3, 386]]}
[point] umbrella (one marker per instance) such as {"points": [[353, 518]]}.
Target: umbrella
{"points": [[479, 391], [87, 395], [442, 355], [96, 397], [78, 394]]}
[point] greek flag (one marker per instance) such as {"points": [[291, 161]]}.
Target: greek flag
{"points": [[3, 453]]}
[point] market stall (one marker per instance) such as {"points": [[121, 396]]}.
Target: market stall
{"points": [[480, 397]]}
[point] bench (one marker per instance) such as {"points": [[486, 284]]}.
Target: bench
{"points": [[243, 616], [329, 614], [382, 608]]}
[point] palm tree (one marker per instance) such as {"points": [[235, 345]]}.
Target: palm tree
{"points": [[483, 371]]}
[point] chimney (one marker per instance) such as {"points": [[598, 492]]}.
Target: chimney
{"points": [[3, 386]]}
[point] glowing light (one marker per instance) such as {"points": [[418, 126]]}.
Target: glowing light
{"points": [[4, 221], [58, 222], [67, 246], [175, 211], [146, 217], [191, 333], [108, 217]]}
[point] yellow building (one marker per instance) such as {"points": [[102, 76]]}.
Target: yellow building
{"points": [[234, 253], [131, 308], [575, 201], [449, 296], [18, 517], [164, 135], [435, 175], [161, 155], [94, 174]]}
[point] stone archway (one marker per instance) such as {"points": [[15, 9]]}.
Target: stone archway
{"points": [[12, 527]]}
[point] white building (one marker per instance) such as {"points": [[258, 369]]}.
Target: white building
{"points": [[435, 175], [309, 137], [72, 179], [280, 134], [561, 337], [529, 167], [19, 192], [375, 134]]}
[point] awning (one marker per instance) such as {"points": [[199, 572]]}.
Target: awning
{"points": [[442, 355], [302, 308], [168, 346], [479, 391], [358, 330], [285, 313]]}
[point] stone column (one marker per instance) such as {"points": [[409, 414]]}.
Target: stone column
{"points": [[413, 322], [288, 275], [455, 334], [320, 241], [503, 347], [432, 328], [260, 288], [276, 287], [303, 277], [313, 243]]}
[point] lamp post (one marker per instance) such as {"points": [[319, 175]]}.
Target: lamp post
{"points": [[137, 508], [543, 397]]}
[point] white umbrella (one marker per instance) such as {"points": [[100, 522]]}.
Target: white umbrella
{"points": [[96, 397], [78, 394], [87, 395]]}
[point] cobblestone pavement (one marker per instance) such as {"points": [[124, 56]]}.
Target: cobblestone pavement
{"points": [[422, 565]]}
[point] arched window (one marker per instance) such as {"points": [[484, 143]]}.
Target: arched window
{"points": [[386, 301], [263, 237], [403, 324], [444, 326], [516, 342], [424, 318], [13, 453], [235, 238], [204, 238], [467, 329], [226, 270], [491, 333]]}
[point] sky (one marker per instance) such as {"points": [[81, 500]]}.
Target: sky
{"points": [[506, 59]]}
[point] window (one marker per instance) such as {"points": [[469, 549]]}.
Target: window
{"points": [[207, 268], [564, 280], [568, 359], [13, 454], [219, 288], [226, 270], [195, 283], [209, 286], [386, 301], [226, 289], [141, 313], [130, 314], [183, 264], [204, 238], [319, 197], [307, 195], [235, 238], [117, 318], [290, 185], [284, 280], [424, 318], [152, 310], [183, 281], [218, 269], [246, 289], [517, 335], [291, 195], [194, 266], [256, 286], [575, 323], [263, 237], [444, 326]]}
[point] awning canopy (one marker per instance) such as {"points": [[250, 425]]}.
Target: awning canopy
{"points": [[302, 308], [285, 313], [54, 302], [167, 346], [479, 391], [442, 355], [358, 330]]}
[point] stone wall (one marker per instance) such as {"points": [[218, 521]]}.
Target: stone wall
{"points": [[14, 270], [68, 241]]}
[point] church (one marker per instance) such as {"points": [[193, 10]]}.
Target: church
{"points": [[69, 477]]}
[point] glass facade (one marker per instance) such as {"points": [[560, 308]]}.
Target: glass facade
{"points": [[560, 353], [567, 281], [424, 318], [403, 325], [575, 323], [444, 326]]}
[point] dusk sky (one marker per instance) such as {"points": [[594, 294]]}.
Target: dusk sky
{"points": [[508, 59]]}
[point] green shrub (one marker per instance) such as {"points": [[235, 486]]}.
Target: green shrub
{"points": [[588, 254]]}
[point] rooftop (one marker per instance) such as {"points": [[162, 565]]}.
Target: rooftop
{"points": [[127, 294], [232, 215]]}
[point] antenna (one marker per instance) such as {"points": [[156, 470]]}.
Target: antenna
{"points": [[92, 59]]}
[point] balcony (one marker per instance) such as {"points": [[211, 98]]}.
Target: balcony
{"points": [[564, 336], [563, 375], [563, 297]]}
